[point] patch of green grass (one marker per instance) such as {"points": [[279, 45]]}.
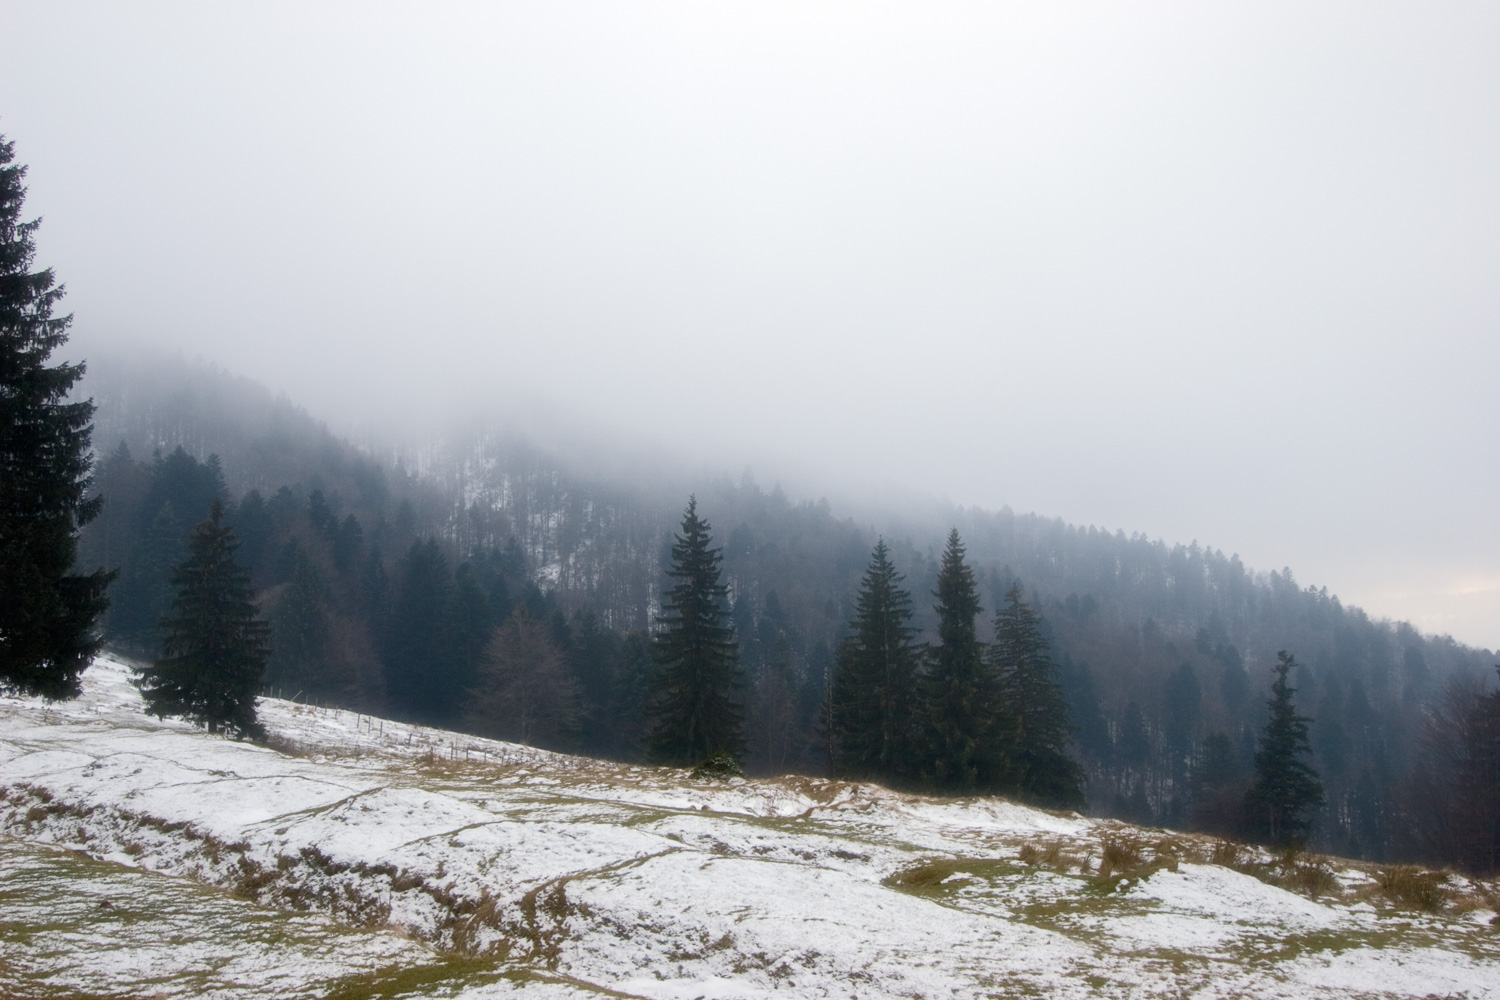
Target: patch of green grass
{"points": [[930, 876], [452, 974], [1283, 948]]}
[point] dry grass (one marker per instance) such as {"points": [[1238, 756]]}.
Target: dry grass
{"points": [[1049, 855], [1308, 874], [1228, 853], [1120, 854], [924, 875], [1414, 888]]}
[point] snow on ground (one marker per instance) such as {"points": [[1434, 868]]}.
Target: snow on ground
{"points": [[362, 857]]}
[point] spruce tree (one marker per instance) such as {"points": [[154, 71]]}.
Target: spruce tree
{"points": [[299, 626], [695, 712], [958, 690], [1039, 768], [415, 667], [214, 643], [1286, 787], [874, 698], [47, 612]]}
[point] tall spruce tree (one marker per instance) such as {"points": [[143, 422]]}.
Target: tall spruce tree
{"points": [[874, 709], [214, 643], [47, 612], [696, 711], [1286, 787], [964, 749], [1039, 768]]}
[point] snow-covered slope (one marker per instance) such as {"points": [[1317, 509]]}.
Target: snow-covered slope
{"points": [[368, 858]]}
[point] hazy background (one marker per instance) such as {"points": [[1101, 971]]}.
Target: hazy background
{"points": [[1219, 272]]}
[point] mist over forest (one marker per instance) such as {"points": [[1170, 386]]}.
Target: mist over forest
{"points": [[386, 570]]}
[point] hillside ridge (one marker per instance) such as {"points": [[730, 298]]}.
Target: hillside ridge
{"points": [[587, 875]]}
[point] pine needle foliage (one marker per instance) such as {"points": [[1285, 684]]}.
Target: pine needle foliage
{"points": [[214, 643], [47, 612], [696, 711], [1286, 787], [1033, 707], [958, 688], [874, 710]]}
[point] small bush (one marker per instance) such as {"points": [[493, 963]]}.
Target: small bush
{"points": [[1312, 876], [925, 874], [1227, 853], [1119, 855], [718, 766], [1049, 855], [1410, 886]]}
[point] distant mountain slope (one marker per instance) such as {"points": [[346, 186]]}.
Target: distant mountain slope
{"points": [[539, 869], [1164, 650]]}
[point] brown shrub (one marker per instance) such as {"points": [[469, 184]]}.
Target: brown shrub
{"points": [[1414, 888]]}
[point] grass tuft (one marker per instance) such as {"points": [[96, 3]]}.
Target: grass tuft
{"points": [[1412, 887]]}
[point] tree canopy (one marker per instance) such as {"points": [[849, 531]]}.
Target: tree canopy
{"points": [[874, 714], [958, 688], [47, 612], [1039, 768], [214, 643], [696, 711], [1286, 787]]}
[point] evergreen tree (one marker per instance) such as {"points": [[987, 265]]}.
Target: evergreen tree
{"points": [[630, 697], [214, 644], [593, 660], [1039, 768], [1218, 788], [416, 647], [1092, 733], [874, 697], [467, 628], [179, 491], [346, 542], [47, 612], [965, 744], [696, 712], [299, 626], [1286, 787], [1181, 708]]}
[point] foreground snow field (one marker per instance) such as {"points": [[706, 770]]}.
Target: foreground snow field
{"points": [[365, 858]]}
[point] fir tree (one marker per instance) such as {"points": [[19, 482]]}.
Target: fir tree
{"points": [[415, 653], [593, 661], [47, 612], [695, 712], [214, 644], [467, 629], [874, 697], [1039, 768], [299, 626], [958, 690], [1286, 787]]}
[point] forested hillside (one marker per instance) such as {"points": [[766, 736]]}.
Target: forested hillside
{"points": [[392, 578]]}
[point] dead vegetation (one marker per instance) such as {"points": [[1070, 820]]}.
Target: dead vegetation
{"points": [[1412, 888]]}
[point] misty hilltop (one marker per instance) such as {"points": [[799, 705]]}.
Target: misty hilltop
{"points": [[1163, 651]]}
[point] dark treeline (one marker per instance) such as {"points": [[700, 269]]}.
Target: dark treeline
{"points": [[501, 592]]}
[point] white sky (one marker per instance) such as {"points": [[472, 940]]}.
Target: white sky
{"points": [[1225, 272]]}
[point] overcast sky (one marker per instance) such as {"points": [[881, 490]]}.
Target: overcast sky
{"points": [[1224, 272]]}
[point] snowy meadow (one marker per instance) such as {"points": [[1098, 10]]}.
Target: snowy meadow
{"points": [[358, 857]]}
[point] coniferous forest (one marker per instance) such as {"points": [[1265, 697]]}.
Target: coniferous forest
{"points": [[483, 583]]}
